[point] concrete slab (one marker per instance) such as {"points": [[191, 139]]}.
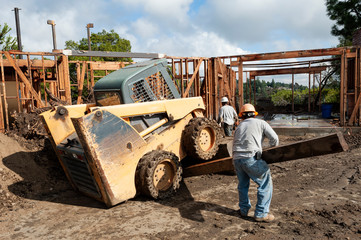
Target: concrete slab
{"points": [[301, 125]]}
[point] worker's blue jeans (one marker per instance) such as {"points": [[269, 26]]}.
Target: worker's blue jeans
{"points": [[228, 129], [259, 172]]}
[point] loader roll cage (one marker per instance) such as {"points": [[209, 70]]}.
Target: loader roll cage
{"points": [[141, 82]]}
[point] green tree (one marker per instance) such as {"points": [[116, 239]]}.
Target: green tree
{"points": [[347, 15], [102, 41], [6, 41]]}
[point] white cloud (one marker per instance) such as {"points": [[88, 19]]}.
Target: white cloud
{"points": [[144, 28], [262, 22], [219, 28]]}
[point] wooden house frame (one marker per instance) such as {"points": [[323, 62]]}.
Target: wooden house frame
{"points": [[211, 78]]}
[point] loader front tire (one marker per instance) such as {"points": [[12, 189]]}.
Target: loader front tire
{"points": [[158, 174], [201, 138]]}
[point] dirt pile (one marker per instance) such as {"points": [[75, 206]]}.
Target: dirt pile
{"points": [[353, 139], [29, 169]]}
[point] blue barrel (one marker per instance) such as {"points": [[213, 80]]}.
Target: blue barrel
{"points": [[326, 110]]}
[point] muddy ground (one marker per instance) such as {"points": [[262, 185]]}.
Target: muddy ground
{"points": [[314, 198]]}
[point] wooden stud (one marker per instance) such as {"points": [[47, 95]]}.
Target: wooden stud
{"points": [[240, 82], [293, 90], [2, 120]]}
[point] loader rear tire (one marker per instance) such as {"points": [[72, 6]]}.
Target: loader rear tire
{"points": [[158, 174], [201, 138]]}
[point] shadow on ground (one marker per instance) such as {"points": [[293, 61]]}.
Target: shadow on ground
{"points": [[43, 179]]}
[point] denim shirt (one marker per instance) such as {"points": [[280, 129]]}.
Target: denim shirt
{"points": [[249, 136]]}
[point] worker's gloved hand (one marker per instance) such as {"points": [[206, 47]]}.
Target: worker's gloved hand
{"points": [[258, 155]]}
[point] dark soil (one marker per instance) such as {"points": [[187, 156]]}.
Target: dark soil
{"points": [[314, 198]]}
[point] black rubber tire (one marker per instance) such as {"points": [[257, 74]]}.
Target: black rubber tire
{"points": [[153, 163], [194, 142]]}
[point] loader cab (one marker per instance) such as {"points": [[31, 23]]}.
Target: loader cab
{"points": [[141, 82]]}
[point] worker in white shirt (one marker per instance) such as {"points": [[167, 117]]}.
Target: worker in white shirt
{"points": [[227, 116]]}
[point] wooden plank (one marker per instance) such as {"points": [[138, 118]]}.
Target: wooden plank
{"points": [[81, 82], [291, 54], [2, 120], [35, 63], [332, 143], [31, 79], [219, 165], [111, 66], [240, 83], [282, 71], [345, 80]]}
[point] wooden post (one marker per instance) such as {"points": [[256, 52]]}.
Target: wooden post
{"points": [[81, 83], [313, 92], [359, 81], [309, 88], [240, 82], [17, 91], [345, 90], [293, 90], [342, 113], [356, 82], [250, 89], [44, 79], [2, 122], [254, 91], [181, 76], [215, 78], [320, 96], [31, 80]]}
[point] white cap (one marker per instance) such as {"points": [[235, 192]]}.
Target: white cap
{"points": [[224, 99]]}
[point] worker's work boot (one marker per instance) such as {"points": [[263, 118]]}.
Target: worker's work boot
{"points": [[268, 218], [243, 215]]}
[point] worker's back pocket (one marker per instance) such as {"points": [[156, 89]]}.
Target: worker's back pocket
{"points": [[255, 168]]}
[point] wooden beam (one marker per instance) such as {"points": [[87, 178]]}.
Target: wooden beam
{"points": [[332, 143], [282, 71], [23, 78], [35, 63], [240, 83], [2, 122], [289, 54]]}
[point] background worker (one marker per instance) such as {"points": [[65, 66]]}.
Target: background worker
{"points": [[247, 150], [227, 116]]}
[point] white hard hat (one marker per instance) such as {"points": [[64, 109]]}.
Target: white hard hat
{"points": [[224, 99]]}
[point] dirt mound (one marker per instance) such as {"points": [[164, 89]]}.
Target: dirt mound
{"points": [[353, 139], [27, 170]]}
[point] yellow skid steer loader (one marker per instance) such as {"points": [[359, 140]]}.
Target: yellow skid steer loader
{"points": [[133, 139]]}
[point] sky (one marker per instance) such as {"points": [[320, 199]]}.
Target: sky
{"points": [[184, 28]]}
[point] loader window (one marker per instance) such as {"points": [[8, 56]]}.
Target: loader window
{"points": [[107, 98]]}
